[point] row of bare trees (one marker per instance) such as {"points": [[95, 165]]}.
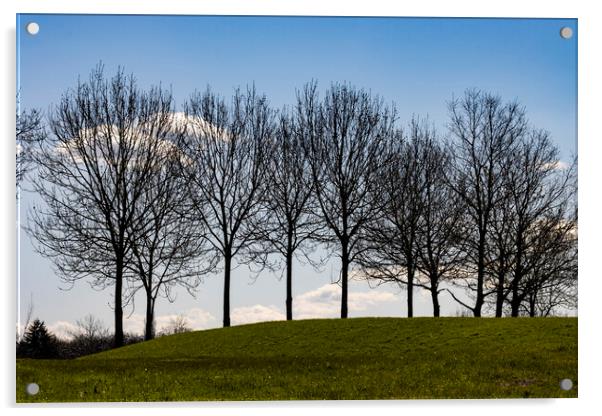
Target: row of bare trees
{"points": [[138, 196]]}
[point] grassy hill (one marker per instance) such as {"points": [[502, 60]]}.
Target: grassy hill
{"points": [[361, 358]]}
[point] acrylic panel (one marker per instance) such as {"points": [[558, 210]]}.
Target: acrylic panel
{"points": [[227, 208]]}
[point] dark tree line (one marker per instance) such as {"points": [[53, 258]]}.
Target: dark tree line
{"points": [[89, 337], [140, 197]]}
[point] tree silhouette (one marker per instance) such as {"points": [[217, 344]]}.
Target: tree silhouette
{"points": [[226, 145], [485, 131], [37, 342], [167, 248], [441, 224], [415, 241], [346, 137], [291, 226], [537, 192], [93, 171], [391, 251]]}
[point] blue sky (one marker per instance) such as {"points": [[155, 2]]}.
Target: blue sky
{"points": [[419, 63]]}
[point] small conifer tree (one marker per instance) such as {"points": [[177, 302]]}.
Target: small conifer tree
{"points": [[37, 342]]}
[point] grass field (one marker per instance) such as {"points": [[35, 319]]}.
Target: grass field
{"points": [[361, 358]]}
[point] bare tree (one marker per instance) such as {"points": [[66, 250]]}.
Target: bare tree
{"points": [[346, 138], [538, 194], [415, 241], [167, 250], [29, 133], [92, 172], [485, 130], [90, 328], [532, 227], [500, 255], [391, 252], [226, 144], [441, 222], [291, 227], [551, 285], [177, 325]]}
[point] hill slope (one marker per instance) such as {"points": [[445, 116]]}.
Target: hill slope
{"points": [[361, 358]]}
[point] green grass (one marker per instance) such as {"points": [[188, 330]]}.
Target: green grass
{"points": [[362, 358]]}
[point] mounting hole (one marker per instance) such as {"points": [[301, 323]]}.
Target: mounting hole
{"points": [[32, 389], [32, 28], [566, 32], [566, 384]]}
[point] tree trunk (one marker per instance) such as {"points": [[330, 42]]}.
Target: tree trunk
{"points": [[518, 274], [499, 301], [149, 329], [227, 267], [118, 341], [515, 303], [411, 288], [435, 295], [532, 307], [344, 276], [435, 298], [480, 277], [516, 300], [289, 286]]}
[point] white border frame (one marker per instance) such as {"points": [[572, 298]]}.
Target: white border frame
{"points": [[590, 73]]}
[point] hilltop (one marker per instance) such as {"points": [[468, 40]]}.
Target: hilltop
{"points": [[360, 358]]}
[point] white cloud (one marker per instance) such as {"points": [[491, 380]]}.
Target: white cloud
{"points": [[256, 313], [558, 165], [325, 302], [200, 318], [63, 329], [107, 135], [133, 324], [360, 301], [198, 126]]}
